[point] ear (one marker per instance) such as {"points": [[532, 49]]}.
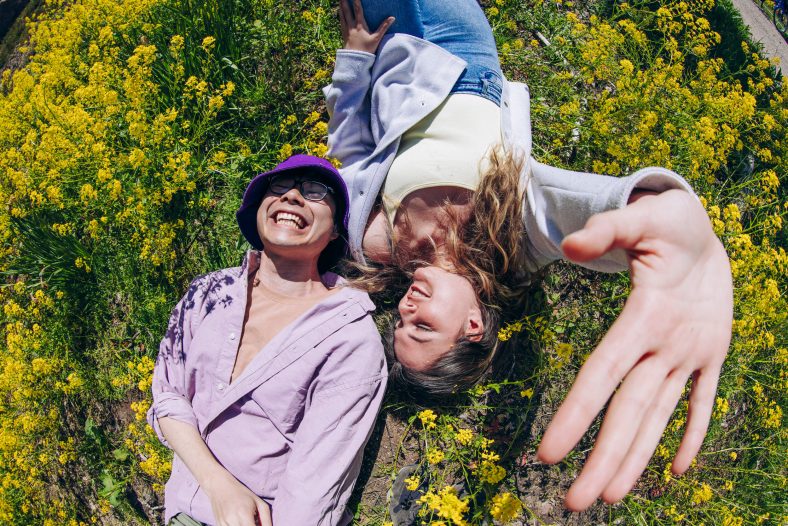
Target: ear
{"points": [[474, 329], [334, 233]]}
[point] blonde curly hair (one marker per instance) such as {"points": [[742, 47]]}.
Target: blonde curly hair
{"points": [[487, 249]]}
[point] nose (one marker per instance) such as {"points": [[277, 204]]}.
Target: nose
{"points": [[293, 196]]}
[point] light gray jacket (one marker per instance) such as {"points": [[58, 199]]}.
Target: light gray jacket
{"points": [[374, 99]]}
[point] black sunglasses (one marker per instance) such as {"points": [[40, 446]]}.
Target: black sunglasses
{"points": [[311, 190]]}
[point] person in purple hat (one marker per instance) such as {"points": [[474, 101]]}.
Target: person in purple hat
{"points": [[271, 374]]}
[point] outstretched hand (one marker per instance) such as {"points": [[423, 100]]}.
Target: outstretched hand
{"points": [[675, 324], [355, 32]]}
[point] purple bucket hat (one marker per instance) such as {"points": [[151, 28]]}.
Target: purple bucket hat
{"points": [[247, 213]]}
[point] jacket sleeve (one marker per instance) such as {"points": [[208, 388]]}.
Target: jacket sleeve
{"points": [[559, 202], [171, 393], [347, 98], [329, 445]]}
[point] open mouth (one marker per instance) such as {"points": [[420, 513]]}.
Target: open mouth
{"points": [[289, 219]]}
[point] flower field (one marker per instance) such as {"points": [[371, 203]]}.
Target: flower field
{"points": [[131, 128]]}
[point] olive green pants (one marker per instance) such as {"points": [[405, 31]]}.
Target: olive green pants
{"points": [[182, 519]]}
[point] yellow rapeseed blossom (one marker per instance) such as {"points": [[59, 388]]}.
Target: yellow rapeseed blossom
{"points": [[702, 494], [505, 507], [447, 505], [412, 483], [428, 418], [490, 472], [208, 44], [435, 456], [464, 436]]}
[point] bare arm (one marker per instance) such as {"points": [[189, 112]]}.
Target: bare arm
{"points": [[233, 504]]}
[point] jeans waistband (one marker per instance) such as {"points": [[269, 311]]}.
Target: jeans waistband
{"points": [[482, 81]]}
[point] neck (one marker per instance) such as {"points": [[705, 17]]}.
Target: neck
{"points": [[291, 277], [427, 215]]}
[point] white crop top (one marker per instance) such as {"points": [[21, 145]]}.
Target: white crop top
{"points": [[448, 147]]}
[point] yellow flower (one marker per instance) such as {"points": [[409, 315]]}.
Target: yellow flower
{"points": [[447, 505], [722, 407], [208, 43], [176, 44], [490, 472], [435, 456], [228, 88], [702, 494], [428, 418], [285, 151], [464, 436], [215, 103], [505, 507], [137, 158], [412, 483]]}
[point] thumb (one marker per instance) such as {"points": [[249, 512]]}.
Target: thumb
{"points": [[602, 233]]}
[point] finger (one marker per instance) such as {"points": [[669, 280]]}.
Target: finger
{"points": [[604, 232], [263, 513], [619, 430], [701, 404], [383, 28], [345, 14], [613, 358], [649, 434], [358, 12]]}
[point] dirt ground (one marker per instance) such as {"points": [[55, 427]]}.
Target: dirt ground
{"points": [[541, 487]]}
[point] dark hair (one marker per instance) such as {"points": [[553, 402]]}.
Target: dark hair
{"points": [[487, 250]]}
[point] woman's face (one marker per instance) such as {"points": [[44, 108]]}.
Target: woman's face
{"points": [[438, 309]]}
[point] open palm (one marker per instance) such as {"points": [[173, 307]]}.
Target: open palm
{"points": [[675, 324]]}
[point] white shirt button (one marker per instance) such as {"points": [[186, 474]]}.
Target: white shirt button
{"points": [[232, 335], [220, 386]]}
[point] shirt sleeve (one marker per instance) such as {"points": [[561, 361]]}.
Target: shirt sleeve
{"points": [[171, 394], [347, 99], [559, 202], [329, 445]]}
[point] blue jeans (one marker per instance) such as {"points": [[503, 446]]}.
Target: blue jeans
{"points": [[458, 26]]}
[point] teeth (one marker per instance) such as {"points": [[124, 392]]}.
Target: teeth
{"points": [[288, 218], [416, 292]]}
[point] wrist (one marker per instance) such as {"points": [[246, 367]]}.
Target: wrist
{"points": [[214, 477], [639, 193]]}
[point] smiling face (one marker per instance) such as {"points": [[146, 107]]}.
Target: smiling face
{"points": [[438, 309], [292, 227]]}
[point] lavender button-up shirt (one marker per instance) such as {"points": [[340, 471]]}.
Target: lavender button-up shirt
{"points": [[293, 426]]}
